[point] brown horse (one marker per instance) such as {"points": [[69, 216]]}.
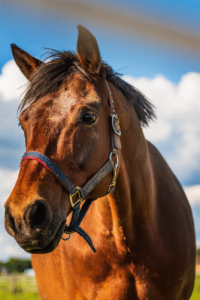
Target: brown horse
{"points": [[142, 230]]}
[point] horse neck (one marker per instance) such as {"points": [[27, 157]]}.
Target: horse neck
{"points": [[130, 211]]}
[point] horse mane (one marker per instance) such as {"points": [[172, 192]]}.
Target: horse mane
{"points": [[60, 67]]}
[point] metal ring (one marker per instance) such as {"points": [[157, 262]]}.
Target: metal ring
{"points": [[115, 116], [67, 237], [113, 153]]}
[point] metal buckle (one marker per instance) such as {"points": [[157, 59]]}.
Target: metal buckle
{"points": [[113, 183], [111, 187], [116, 155], [80, 197], [115, 124]]}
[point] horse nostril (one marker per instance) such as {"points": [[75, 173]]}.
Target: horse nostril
{"points": [[38, 214], [10, 222]]}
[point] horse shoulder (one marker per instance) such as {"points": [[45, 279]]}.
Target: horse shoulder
{"points": [[175, 241]]}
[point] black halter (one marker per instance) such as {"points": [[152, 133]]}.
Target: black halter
{"points": [[77, 193]]}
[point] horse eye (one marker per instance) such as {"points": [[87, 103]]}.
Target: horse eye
{"points": [[89, 118]]}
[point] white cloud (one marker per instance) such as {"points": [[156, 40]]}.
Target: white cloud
{"points": [[15, 251], [193, 194], [176, 131], [11, 147], [7, 179], [12, 82], [11, 136], [9, 247], [2, 239]]}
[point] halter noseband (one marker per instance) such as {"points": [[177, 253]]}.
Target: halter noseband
{"points": [[79, 193]]}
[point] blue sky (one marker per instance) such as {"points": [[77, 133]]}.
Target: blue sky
{"points": [[32, 30], [169, 77]]}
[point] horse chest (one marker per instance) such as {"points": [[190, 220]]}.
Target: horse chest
{"points": [[87, 280]]}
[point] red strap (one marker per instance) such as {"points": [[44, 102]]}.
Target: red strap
{"points": [[39, 160]]}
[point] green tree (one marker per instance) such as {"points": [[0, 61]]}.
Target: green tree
{"points": [[16, 265]]}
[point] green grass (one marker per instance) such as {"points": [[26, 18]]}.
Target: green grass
{"points": [[23, 287], [196, 292], [18, 287]]}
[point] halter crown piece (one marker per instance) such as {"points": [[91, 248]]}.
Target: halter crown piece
{"points": [[78, 194]]}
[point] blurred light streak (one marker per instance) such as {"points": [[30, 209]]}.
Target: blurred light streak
{"points": [[120, 20]]}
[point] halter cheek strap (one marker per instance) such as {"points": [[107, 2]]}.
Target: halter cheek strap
{"points": [[78, 193]]}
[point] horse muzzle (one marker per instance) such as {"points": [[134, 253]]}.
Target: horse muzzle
{"points": [[34, 230]]}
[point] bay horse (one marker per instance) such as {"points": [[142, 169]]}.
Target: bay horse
{"points": [[87, 160]]}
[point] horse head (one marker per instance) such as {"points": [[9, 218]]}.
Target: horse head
{"points": [[65, 115]]}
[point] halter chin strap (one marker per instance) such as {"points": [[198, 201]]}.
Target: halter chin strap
{"points": [[78, 194]]}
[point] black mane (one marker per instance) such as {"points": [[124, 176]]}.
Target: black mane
{"points": [[50, 76]]}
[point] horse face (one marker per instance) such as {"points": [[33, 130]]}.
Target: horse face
{"points": [[72, 127]]}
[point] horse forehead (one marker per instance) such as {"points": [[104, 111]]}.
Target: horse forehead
{"points": [[77, 84], [81, 88], [77, 94], [58, 105]]}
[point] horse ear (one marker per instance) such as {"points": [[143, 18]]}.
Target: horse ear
{"points": [[88, 50], [25, 61]]}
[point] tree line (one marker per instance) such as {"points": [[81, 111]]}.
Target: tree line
{"points": [[16, 265]]}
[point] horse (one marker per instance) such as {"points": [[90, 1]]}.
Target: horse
{"points": [[88, 164]]}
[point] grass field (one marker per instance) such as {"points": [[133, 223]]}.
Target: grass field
{"points": [[18, 287], [23, 287], [196, 292]]}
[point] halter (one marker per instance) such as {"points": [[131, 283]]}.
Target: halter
{"points": [[78, 194]]}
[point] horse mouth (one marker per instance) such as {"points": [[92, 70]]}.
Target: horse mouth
{"points": [[52, 245]]}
